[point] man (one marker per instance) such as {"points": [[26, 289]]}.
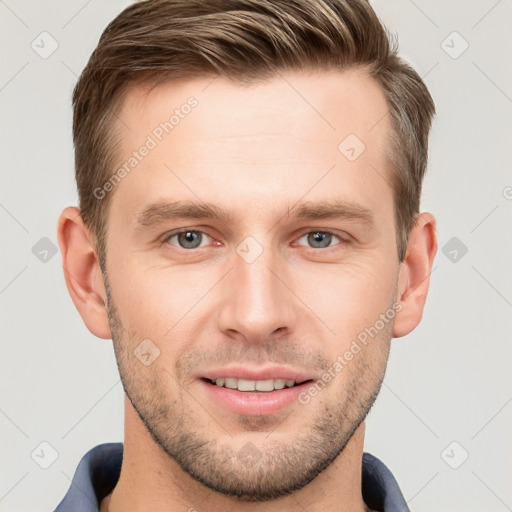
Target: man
{"points": [[249, 236]]}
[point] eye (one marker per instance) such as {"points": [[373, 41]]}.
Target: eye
{"points": [[194, 239], [321, 239], [187, 239]]}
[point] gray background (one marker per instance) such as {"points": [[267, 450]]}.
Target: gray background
{"points": [[447, 392]]}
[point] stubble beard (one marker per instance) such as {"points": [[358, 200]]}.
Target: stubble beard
{"points": [[259, 471]]}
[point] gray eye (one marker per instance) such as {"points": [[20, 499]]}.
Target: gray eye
{"points": [[322, 239], [319, 239], [189, 239]]}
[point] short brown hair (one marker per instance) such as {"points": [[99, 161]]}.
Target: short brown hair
{"points": [[153, 41]]}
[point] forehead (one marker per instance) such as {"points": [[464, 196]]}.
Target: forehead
{"points": [[333, 102], [318, 134]]}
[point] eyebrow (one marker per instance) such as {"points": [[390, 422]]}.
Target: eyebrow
{"points": [[162, 211], [333, 210]]}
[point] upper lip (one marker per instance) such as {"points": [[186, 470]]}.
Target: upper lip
{"points": [[252, 373]]}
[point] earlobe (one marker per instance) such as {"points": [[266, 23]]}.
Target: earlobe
{"points": [[82, 272], [415, 270]]}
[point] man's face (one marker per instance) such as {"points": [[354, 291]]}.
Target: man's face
{"points": [[266, 295]]}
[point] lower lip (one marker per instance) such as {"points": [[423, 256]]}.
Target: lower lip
{"points": [[254, 403]]}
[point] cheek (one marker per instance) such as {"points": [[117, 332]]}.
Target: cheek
{"points": [[346, 297], [158, 301], [164, 300]]}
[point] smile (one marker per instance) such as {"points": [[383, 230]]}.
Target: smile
{"points": [[264, 386]]}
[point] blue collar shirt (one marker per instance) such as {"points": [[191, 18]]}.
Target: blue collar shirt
{"points": [[98, 472]]}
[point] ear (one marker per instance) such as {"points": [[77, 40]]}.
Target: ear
{"points": [[414, 276], [82, 272]]}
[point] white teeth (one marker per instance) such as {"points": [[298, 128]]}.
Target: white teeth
{"points": [[280, 383], [246, 385], [230, 383], [254, 385], [265, 385]]}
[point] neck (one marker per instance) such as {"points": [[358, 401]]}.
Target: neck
{"points": [[151, 480]]}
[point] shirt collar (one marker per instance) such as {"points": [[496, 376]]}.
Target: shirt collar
{"points": [[99, 470]]}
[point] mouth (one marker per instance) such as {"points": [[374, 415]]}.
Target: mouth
{"points": [[265, 396], [255, 386]]}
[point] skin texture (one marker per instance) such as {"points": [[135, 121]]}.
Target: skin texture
{"points": [[255, 151]]}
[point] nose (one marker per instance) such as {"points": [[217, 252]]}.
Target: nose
{"points": [[256, 299]]}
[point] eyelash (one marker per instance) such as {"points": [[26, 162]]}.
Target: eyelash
{"points": [[343, 240]]}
